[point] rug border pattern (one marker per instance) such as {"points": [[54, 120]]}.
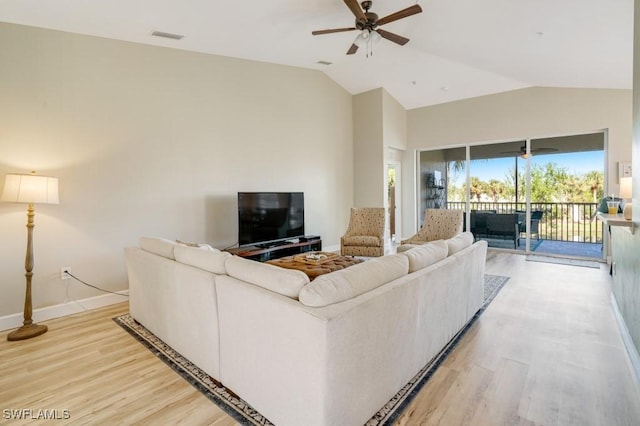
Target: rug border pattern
{"points": [[237, 408]]}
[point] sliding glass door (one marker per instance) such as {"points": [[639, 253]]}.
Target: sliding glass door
{"points": [[531, 195]]}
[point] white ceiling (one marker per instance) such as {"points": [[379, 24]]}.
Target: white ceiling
{"points": [[458, 49]]}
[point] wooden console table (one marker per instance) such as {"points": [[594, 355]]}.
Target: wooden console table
{"points": [[264, 253]]}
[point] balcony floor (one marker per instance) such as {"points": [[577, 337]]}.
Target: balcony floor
{"points": [[555, 248]]}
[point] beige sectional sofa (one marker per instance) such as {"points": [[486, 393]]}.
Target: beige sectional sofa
{"points": [[329, 352]]}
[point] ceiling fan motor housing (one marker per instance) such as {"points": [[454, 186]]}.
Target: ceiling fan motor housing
{"points": [[372, 18], [371, 24]]}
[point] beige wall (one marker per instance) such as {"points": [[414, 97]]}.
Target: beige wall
{"points": [[394, 123], [155, 141], [368, 149], [380, 138], [517, 115]]}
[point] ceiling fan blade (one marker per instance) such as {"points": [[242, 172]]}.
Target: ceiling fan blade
{"points": [[353, 49], [356, 10], [411, 10], [333, 30], [544, 149], [393, 37]]}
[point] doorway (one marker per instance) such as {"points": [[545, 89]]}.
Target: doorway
{"points": [[393, 191]]}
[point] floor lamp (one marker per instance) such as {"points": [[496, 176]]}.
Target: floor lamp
{"points": [[31, 189]]}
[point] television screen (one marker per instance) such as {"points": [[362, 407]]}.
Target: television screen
{"points": [[265, 217]]}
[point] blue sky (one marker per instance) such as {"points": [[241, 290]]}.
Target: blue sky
{"points": [[577, 163]]}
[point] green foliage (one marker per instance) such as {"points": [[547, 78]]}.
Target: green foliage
{"points": [[549, 183], [391, 177]]}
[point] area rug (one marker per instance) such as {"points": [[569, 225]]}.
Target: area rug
{"points": [[564, 261], [244, 414]]}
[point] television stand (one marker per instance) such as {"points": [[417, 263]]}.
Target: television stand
{"points": [[264, 252]]}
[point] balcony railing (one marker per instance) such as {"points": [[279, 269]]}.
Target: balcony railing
{"points": [[560, 221]]}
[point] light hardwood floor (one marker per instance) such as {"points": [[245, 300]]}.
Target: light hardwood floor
{"points": [[547, 351]]}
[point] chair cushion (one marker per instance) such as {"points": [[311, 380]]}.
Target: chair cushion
{"points": [[459, 242], [347, 283], [287, 282], [362, 240], [426, 254]]}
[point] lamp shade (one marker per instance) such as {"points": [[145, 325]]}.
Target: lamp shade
{"points": [[30, 189], [625, 187]]}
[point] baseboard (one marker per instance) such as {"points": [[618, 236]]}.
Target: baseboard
{"points": [[56, 311], [632, 351]]}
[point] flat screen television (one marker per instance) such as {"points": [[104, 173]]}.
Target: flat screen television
{"points": [[269, 217]]}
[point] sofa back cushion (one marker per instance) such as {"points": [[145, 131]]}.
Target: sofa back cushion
{"points": [[459, 242], [160, 246], [287, 282], [350, 282], [211, 259], [426, 254]]}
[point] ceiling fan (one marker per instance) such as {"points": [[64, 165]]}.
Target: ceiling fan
{"points": [[522, 152], [368, 23]]}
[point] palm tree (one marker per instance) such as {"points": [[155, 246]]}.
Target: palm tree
{"points": [[495, 188], [476, 187], [594, 180]]}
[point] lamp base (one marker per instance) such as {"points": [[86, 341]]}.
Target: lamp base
{"points": [[628, 211], [27, 332]]}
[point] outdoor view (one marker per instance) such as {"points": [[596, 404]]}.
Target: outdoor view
{"points": [[565, 189]]}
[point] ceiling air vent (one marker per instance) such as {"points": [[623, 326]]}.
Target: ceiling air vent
{"points": [[167, 35]]}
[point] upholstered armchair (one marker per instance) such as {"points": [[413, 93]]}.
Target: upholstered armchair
{"points": [[439, 224], [365, 234]]}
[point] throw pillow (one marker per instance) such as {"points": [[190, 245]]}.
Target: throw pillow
{"points": [[199, 245], [459, 242], [426, 254], [212, 260], [287, 282], [160, 246], [353, 281]]}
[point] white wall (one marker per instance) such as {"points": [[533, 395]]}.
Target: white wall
{"points": [[626, 246], [394, 119], [155, 141], [516, 115]]}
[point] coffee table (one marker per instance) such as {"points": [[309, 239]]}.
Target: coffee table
{"points": [[313, 268]]}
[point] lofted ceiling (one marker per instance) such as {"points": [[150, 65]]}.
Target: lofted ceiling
{"points": [[458, 49]]}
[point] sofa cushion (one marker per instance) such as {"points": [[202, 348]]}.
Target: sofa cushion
{"points": [[287, 282], [459, 242], [426, 254], [350, 282], [160, 246], [209, 259]]}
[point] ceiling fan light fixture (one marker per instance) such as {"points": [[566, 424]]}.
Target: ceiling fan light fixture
{"points": [[523, 153], [368, 24]]}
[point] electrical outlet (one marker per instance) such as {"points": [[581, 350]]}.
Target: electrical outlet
{"points": [[63, 273]]}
